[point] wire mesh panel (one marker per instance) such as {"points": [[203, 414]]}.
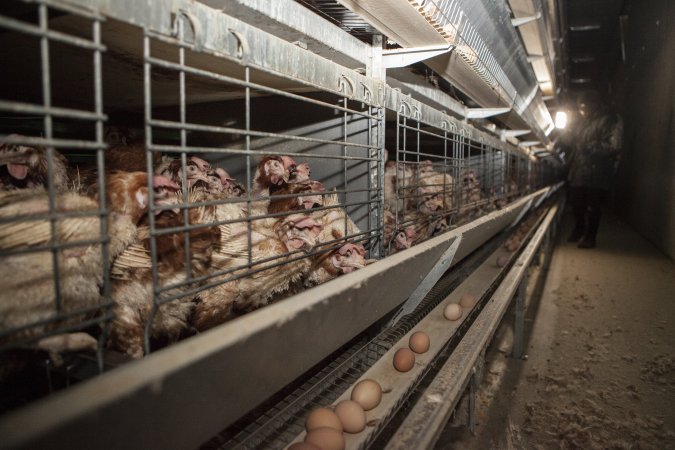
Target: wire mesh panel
{"points": [[439, 178], [421, 183], [55, 248], [276, 191], [202, 190]]}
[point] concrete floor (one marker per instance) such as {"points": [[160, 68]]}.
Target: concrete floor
{"points": [[600, 373]]}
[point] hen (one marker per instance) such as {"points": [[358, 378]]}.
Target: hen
{"points": [[398, 179], [435, 183], [336, 255], [272, 172], [196, 170], [276, 269], [297, 196], [28, 299], [132, 278], [397, 238]]}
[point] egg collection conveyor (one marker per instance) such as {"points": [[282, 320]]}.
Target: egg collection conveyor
{"points": [[280, 420], [452, 357]]}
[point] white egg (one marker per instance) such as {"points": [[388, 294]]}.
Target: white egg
{"points": [[367, 393], [452, 312]]}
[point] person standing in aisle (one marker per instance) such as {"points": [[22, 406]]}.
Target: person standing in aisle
{"points": [[597, 147]]}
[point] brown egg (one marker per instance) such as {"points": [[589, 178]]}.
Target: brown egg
{"points": [[303, 446], [367, 393], [323, 417], [512, 245], [404, 359], [326, 438], [352, 416], [467, 300], [452, 312], [419, 342], [502, 260]]}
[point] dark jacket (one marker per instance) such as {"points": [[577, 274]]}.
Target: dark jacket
{"points": [[596, 152]]}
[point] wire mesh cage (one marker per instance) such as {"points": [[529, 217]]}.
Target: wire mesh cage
{"points": [[282, 197], [152, 189], [54, 245], [420, 182], [439, 178]]}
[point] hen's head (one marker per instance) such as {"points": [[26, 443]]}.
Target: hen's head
{"points": [[272, 171], [349, 258], [202, 165], [430, 203], [193, 173], [18, 158], [299, 232], [470, 179], [228, 184], [299, 173], [312, 198], [288, 162], [127, 192], [441, 225], [425, 167], [404, 239], [29, 163]]}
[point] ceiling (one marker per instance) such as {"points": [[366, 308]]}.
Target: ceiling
{"points": [[592, 43], [586, 56]]}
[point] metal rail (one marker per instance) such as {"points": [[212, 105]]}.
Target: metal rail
{"points": [[428, 417]]}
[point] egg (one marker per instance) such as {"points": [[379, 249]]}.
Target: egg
{"points": [[512, 245], [326, 438], [352, 416], [404, 359], [323, 418], [502, 260], [303, 446], [419, 342], [367, 393], [452, 312], [467, 300]]}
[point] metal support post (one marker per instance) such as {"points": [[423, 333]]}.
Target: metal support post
{"points": [[519, 329], [473, 391], [548, 247]]}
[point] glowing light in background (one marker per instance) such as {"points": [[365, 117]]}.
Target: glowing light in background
{"points": [[560, 119]]}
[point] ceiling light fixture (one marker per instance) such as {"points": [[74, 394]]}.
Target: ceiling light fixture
{"points": [[560, 119]]}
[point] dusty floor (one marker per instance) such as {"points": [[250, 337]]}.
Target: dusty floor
{"points": [[600, 367]]}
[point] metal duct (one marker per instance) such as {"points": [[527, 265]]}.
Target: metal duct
{"points": [[488, 62]]}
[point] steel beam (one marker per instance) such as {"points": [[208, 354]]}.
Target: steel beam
{"points": [[403, 57]]}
